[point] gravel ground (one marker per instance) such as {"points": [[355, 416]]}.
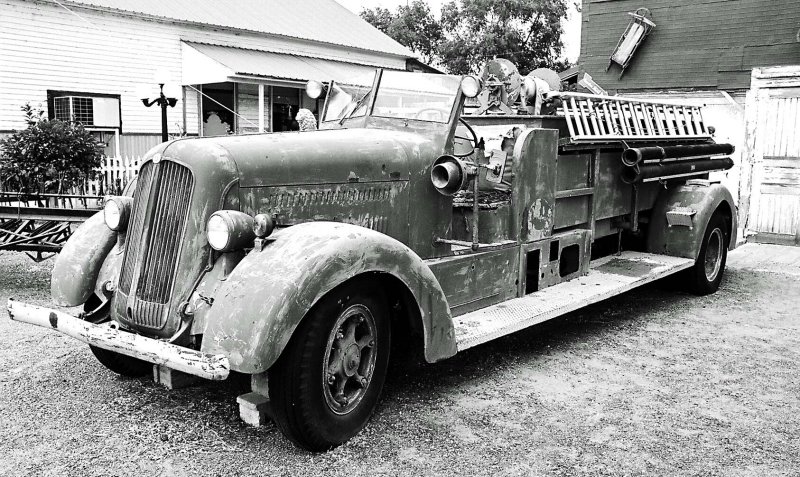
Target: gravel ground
{"points": [[652, 382]]}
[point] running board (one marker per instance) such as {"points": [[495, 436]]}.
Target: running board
{"points": [[607, 277]]}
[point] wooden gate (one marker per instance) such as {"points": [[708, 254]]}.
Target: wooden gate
{"points": [[773, 156]]}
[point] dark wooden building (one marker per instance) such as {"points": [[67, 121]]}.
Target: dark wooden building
{"points": [[696, 44], [740, 59]]}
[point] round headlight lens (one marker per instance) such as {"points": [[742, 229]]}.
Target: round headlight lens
{"points": [[471, 86], [112, 214], [314, 89], [218, 232], [116, 212]]}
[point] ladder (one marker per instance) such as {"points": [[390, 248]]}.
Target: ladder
{"points": [[593, 118]]}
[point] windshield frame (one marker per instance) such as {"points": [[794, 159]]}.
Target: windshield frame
{"points": [[370, 92], [455, 100], [373, 92]]}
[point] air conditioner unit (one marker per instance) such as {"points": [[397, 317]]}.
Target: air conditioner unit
{"points": [[94, 111]]}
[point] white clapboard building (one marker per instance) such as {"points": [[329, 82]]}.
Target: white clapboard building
{"points": [[235, 66]]}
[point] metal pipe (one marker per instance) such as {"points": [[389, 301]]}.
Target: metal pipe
{"points": [[646, 172], [475, 210], [635, 155]]}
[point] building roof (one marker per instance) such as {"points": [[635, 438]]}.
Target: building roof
{"points": [[244, 62], [317, 20]]}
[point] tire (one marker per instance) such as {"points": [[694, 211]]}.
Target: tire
{"points": [[326, 384], [121, 364], [706, 274]]}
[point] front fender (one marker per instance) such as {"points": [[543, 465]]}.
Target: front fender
{"points": [[684, 241], [78, 264], [255, 313]]}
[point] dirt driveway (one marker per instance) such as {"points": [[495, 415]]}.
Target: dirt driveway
{"points": [[653, 382]]}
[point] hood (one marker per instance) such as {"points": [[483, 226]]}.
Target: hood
{"points": [[324, 157]]}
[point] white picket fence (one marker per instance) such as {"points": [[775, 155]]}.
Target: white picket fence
{"points": [[113, 175]]}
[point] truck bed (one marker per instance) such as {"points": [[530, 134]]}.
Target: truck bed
{"points": [[608, 276]]}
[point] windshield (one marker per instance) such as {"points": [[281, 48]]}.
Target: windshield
{"points": [[349, 99], [408, 95], [401, 94]]}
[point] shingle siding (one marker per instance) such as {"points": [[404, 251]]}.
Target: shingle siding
{"points": [[696, 43]]}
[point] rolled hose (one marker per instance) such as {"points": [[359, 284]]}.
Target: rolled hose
{"points": [[635, 155], [644, 172]]}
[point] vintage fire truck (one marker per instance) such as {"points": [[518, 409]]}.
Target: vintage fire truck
{"points": [[308, 260]]}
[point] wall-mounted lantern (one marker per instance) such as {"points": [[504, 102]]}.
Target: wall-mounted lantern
{"points": [[638, 29]]}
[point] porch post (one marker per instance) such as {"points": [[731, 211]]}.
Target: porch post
{"points": [[261, 108]]}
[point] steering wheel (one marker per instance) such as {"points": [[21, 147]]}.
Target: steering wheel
{"points": [[442, 113], [473, 140]]}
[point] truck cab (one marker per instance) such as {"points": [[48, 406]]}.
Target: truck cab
{"points": [[310, 259]]}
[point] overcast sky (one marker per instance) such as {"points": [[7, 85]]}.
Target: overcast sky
{"points": [[572, 27]]}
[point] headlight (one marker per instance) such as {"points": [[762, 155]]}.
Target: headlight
{"points": [[229, 230], [471, 86], [116, 211]]}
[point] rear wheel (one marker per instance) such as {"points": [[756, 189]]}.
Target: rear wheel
{"points": [[325, 385], [706, 274]]}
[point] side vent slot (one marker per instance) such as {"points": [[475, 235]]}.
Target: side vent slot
{"points": [[532, 271], [554, 245], [570, 260]]}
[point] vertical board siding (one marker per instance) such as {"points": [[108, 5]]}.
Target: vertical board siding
{"points": [[779, 186], [771, 185]]}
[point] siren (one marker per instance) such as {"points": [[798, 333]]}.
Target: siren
{"points": [[450, 174]]}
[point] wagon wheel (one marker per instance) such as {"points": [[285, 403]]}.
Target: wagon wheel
{"points": [[329, 377]]}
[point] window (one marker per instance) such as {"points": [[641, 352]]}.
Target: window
{"points": [[91, 110], [74, 108]]}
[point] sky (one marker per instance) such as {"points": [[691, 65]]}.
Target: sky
{"points": [[572, 26]]}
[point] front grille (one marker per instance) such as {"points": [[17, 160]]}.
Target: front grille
{"points": [[162, 201], [143, 186]]}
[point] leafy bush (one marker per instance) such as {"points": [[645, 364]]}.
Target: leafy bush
{"points": [[50, 155]]}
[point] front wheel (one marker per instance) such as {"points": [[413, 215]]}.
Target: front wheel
{"points": [[121, 364], [706, 274], [325, 386]]}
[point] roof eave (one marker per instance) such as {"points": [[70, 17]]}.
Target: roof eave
{"points": [[146, 16]]}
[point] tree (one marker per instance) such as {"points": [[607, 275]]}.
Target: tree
{"points": [[525, 32], [412, 26], [471, 32], [49, 155]]}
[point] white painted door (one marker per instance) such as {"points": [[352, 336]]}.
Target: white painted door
{"points": [[775, 151], [779, 205]]}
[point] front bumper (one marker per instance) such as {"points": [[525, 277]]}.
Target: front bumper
{"points": [[108, 336]]}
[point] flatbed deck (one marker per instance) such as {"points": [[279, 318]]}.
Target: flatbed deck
{"points": [[608, 276]]}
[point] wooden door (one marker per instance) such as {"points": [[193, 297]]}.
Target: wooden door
{"points": [[775, 210]]}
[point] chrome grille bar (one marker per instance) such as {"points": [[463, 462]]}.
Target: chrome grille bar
{"points": [[143, 185]]}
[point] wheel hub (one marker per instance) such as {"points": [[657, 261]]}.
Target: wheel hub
{"points": [[713, 258], [349, 360]]}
